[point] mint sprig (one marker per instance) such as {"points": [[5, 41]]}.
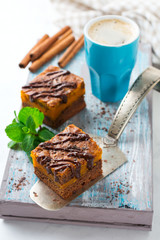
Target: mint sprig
{"points": [[26, 112], [26, 131]]}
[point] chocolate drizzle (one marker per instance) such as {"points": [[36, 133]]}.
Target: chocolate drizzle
{"points": [[52, 86], [57, 73], [86, 156], [58, 165], [72, 137], [61, 164], [44, 94], [56, 87]]}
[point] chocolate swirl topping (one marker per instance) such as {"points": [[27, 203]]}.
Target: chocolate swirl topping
{"points": [[73, 151], [43, 94], [48, 81], [86, 156], [58, 73], [72, 137]]}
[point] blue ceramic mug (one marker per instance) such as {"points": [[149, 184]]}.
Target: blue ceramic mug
{"points": [[110, 66]]}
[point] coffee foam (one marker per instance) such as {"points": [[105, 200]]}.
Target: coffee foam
{"points": [[112, 32]]}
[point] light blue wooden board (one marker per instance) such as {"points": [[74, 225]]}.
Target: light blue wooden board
{"points": [[134, 179]]}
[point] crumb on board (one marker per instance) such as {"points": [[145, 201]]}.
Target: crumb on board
{"points": [[105, 129], [35, 194], [18, 186], [55, 200], [103, 113], [118, 188]]}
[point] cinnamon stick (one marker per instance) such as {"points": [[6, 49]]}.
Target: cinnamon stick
{"points": [[51, 53], [38, 51], [27, 59], [61, 38], [71, 51]]}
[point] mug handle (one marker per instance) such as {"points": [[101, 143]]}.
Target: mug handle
{"points": [[140, 88]]}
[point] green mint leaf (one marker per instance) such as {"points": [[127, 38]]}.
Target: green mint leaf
{"points": [[18, 146], [27, 144], [26, 130], [36, 142], [12, 144], [31, 124], [14, 120], [37, 116], [14, 132], [45, 134], [15, 114]]}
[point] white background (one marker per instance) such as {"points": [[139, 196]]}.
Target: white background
{"points": [[21, 24]]}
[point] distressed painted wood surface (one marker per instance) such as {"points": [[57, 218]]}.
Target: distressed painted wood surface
{"points": [[130, 186]]}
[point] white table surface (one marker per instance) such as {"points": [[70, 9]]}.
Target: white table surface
{"points": [[21, 23]]}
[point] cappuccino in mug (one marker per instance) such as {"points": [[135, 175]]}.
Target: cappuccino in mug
{"points": [[112, 32], [111, 44]]}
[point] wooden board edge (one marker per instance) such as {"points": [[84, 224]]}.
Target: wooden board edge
{"points": [[150, 103], [82, 223], [23, 204], [5, 176], [83, 214]]}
